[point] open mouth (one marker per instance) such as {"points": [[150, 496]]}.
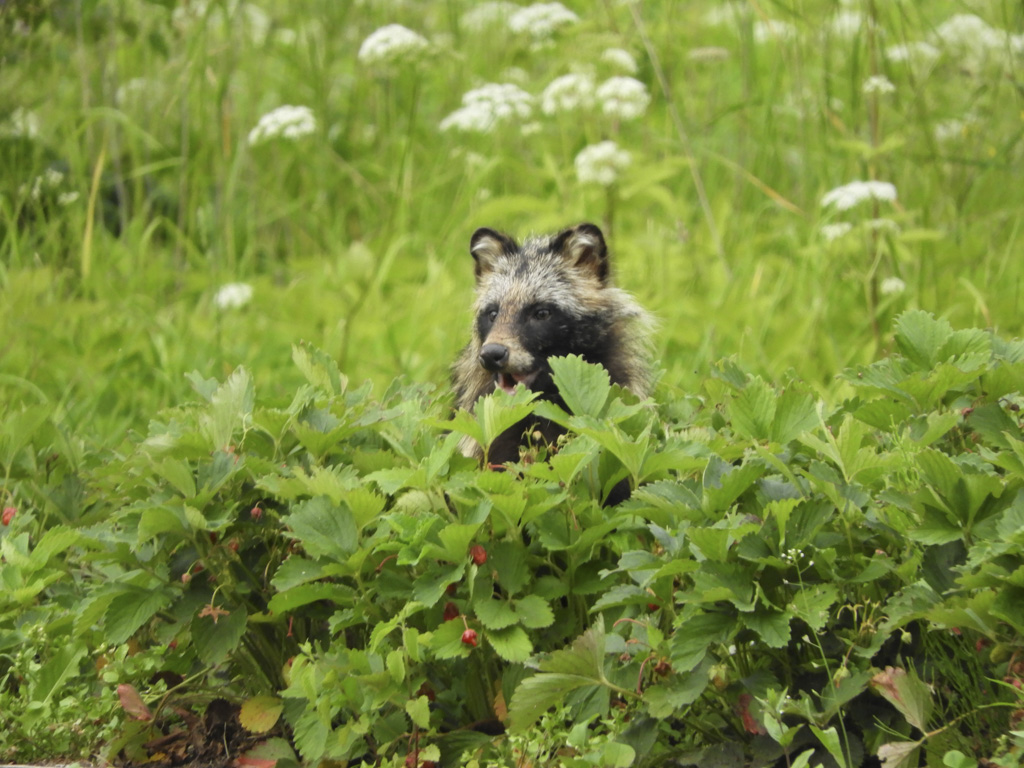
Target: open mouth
{"points": [[509, 381]]}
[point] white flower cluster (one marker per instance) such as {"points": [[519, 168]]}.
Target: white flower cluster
{"points": [[22, 123], [624, 98], [287, 122], [620, 60], [601, 163], [541, 20], [879, 84], [917, 53], [491, 104], [856, 192], [847, 24], [568, 93], [233, 296], [46, 184], [391, 44], [832, 232], [954, 129], [974, 41], [892, 286]]}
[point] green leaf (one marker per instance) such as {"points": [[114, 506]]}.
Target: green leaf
{"points": [[508, 560], [512, 643], [681, 690], [324, 529], [419, 711], [128, 611], [616, 755], [772, 626], [319, 368], [795, 413], [230, 409], [537, 694], [494, 613], [829, 737], [216, 638], [534, 612], [456, 539], [907, 692], [920, 336], [178, 473], [583, 387], [752, 411], [446, 641]]}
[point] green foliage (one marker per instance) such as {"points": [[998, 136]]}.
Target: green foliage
{"points": [[781, 567]]}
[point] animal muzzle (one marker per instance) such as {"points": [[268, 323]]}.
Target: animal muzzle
{"points": [[496, 359]]}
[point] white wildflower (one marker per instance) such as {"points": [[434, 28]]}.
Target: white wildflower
{"points": [[287, 122], [601, 163], [624, 98], [918, 53], [832, 232], [491, 104], [49, 185], [516, 75], [391, 44], [847, 24], [568, 93], [773, 30], [22, 123], [541, 20], [965, 32], [223, 18], [233, 296], [483, 16], [620, 59], [849, 195], [879, 84], [954, 129], [892, 286], [67, 198]]}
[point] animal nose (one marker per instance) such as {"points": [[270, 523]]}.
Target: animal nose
{"points": [[493, 357]]}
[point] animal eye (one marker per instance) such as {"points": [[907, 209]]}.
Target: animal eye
{"points": [[492, 315], [543, 313]]}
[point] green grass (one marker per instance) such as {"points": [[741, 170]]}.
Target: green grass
{"points": [[355, 237]]}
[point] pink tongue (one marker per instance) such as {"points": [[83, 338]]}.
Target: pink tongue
{"points": [[508, 382]]}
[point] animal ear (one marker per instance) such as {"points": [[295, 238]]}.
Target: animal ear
{"points": [[487, 246], [585, 249]]}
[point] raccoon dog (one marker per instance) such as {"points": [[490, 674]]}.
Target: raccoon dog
{"points": [[550, 296]]}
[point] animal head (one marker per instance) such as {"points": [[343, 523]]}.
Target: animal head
{"points": [[548, 296]]}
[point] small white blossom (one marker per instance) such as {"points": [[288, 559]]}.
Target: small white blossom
{"points": [[832, 232], [918, 53], [233, 296], [892, 286], [22, 123], [223, 18], [491, 104], [601, 163], [954, 129], [541, 20], [391, 44], [624, 98], [847, 24], [485, 15], [568, 93], [620, 59], [44, 184], [67, 198], [287, 122], [879, 84], [965, 31], [849, 195]]}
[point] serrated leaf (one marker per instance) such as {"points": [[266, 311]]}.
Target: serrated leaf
{"points": [[534, 612], [512, 643], [494, 613], [325, 529], [216, 637], [535, 695], [418, 710], [230, 409], [128, 611], [772, 626], [446, 641], [795, 413], [752, 411], [260, 714], [508, 560], [907, 692], [920, 336], [583, 387], [319, 368]]}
